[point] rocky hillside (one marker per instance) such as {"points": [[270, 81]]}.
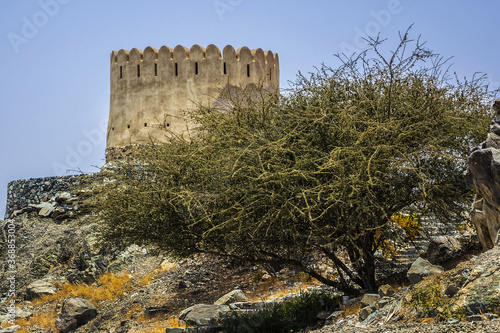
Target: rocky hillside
{"points": [[57, 276], [129, 290]]}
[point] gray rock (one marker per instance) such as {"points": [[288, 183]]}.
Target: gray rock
{"points": [[40, 288], [421, 269], [452, 321], [46, 209], [365, 312], [11, 329], [369, 298], [20, 313], [385, 290], [247, 306], [335, 315], [475, 318], [483, 176], [204, 315], [323, 315], [75, 312], [175, 330], [451, 290], [483, 284], [232, 297], [384, 301], [443, 248], [482, 317], [63, 196], [58, 212]]}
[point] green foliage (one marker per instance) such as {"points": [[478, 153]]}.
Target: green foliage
{"points": [[293, 315], [494, 306], [430, 302], [428, 299], [295, 179]]}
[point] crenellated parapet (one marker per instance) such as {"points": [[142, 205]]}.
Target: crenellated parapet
{"points": [[151, 87]]}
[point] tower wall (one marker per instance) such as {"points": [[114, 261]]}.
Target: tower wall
{"points": [[150, 88]]}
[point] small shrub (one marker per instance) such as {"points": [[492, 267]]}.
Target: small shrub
{"points": [[305, 278], [427, 299], [430, 302], [494, 306], [257, 276], [291, 316]]}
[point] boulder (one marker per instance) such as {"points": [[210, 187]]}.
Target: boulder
{"points": [[20, 313], [63, 196], [204, 315], [365, 312], [443, 248], [482, 287], [482, 317], [247, 306], [483, 176], [385, 291], [40, 288], [11, 329], [422, 268], [232, 297], [45, 208], [75, 312], [368, 299]]}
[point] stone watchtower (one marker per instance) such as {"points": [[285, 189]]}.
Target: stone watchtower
{"points": [[150, 88]]}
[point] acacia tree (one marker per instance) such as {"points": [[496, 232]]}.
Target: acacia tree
{"points": [[317, 173]]}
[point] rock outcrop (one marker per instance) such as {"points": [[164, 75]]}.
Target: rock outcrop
{"points": [[75, 313], [483, 176], [421, 269], [481, 290]]}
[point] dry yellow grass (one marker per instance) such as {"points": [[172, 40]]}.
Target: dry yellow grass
{"points": [[279, 289], [157, 325], [133, 310], [108, 287], [167, 266], [145, 280], [154, 327], [44, 320], [174, 322]]}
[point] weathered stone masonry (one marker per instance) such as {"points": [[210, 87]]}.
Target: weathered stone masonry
{"points": [[151, 88], [25, 192]]}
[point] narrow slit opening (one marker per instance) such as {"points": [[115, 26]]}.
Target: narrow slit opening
{"points": [[138, 70], [176, 69], [195, 68], [225, 68], [248, 70], [121, 72], [128, 126], [156, 69]]}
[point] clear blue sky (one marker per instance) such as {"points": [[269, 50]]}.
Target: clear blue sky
{"points": [[55, 56]]}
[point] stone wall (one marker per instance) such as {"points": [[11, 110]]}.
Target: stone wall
{"points": [[34, 194]]}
